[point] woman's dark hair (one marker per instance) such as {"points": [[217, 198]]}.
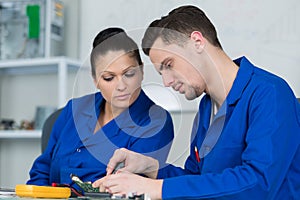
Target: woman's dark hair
{"points": [[177, 27], [113, 39]]}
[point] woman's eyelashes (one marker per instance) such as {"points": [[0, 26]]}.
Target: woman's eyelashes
{"points": [[127, 74], [130, 73], [107, 78]]}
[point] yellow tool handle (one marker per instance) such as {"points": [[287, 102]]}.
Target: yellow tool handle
{"points": [[42, 191]]}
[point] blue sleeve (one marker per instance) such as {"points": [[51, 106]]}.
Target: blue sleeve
{"points": [[272, 142], [40, 171], [169, 170]]}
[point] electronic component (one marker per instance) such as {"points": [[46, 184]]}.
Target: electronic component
{"points": [[103, 197], [91, 193], [85, 186]]}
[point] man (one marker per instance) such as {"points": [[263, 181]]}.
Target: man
{"points": [[246, 134]]}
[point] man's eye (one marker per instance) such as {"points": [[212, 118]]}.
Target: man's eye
{"points": [[110, 78], [168, 66]]}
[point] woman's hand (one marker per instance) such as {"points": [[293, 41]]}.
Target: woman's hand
{"points": [[124, 183], [133, 162]]}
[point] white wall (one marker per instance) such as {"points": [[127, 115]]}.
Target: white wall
{"points": [[265, 31], [129, 14]]}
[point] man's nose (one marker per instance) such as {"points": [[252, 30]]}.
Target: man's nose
{"points": [[168, 79]]}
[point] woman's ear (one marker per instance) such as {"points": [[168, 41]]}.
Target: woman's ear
{"points": [[199, 40], [95, 81]]}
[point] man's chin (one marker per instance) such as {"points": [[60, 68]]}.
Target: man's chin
{"points": [[190, 97]]}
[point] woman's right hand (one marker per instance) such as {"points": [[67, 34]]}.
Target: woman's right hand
{"points": [[133, 162]]}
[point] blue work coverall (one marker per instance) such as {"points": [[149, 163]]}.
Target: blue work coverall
{"points": [[73, 147], [251, 149]]}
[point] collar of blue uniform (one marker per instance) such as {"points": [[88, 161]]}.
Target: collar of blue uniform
{"points": [[241, 81], [129, 117]]}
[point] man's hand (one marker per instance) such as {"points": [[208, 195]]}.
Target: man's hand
{"points": [[133, 162], [124, 183]]}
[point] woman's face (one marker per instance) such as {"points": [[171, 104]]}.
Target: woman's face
{"points": [[119, 78]]}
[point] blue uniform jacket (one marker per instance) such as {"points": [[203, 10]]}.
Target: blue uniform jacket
{"points": [[250, 151], [73, 148]]}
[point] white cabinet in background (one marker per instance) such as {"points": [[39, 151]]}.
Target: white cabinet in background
{"points": [[24, 85]]}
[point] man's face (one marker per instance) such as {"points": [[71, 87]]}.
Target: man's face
{"points": [[172, 63]]}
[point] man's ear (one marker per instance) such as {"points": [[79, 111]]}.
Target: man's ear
{"points": [[142, 69], [199, 40]]}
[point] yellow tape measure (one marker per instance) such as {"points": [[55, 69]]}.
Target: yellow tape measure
{"points": [[42, 191]]}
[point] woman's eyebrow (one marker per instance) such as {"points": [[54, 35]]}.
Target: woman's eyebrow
{"points": [[128, 68], [106, 72], [124, 70]]}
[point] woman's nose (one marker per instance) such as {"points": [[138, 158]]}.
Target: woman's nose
{"points": [[121, 86]]}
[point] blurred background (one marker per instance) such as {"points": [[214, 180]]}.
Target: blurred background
{"points": [[44, 60]]}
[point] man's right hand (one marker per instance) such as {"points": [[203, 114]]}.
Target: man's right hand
{"points": [[133, 162]]}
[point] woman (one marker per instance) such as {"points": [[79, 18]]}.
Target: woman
{"points": [[91, 127]]}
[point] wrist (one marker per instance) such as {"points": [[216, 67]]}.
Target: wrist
{"points": [[156, 189], [152, 169]]}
